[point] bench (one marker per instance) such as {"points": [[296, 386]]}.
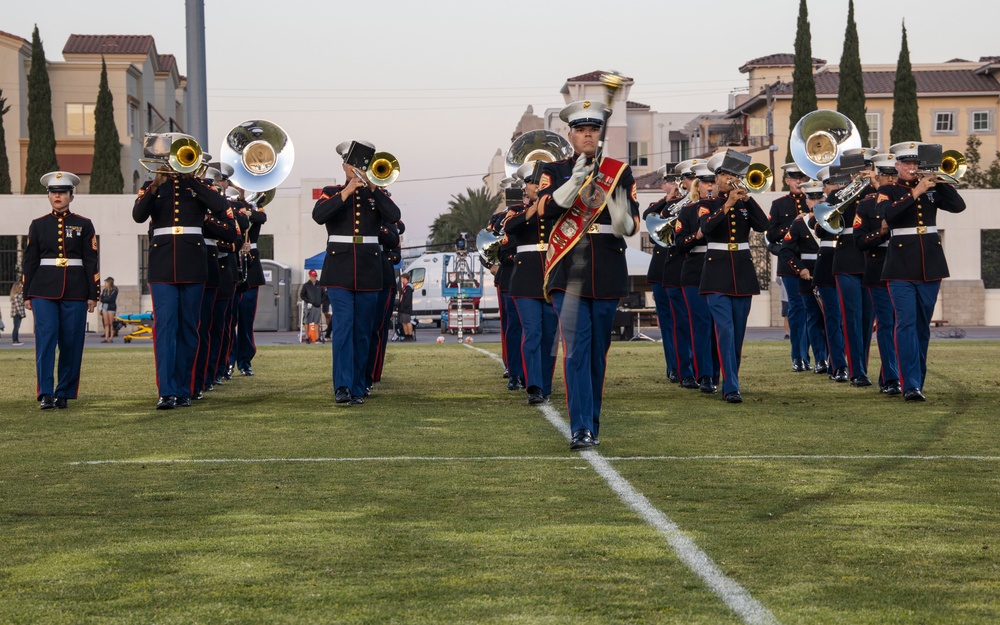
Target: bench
{"points": [[937, 323]]}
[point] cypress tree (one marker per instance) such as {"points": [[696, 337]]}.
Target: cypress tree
{"points": [[803, 82], [905, 122], [41, 132], [5, 181], [851, 91], [106, 174]]}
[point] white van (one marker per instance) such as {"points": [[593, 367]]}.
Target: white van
{"points": [[427, 275]]}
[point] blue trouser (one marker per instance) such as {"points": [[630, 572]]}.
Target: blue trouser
{"points": [[62, 323], [234, 316], [503, 328], [372, 364], [585, 324], [176, 309], [858, 318], [882, 306], [665, 319], [220, 312], [538, 341], [246, 347], [353, 313], [815, 334], [228, 337], [706, 356], [913, 303], [512, 338], [798, 321], [204, 340], [730, 315], [834, 326], [682, 332]]}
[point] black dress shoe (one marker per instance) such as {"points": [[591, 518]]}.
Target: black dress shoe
{"points": [[515, 383], [210, 387], [246, 372], [821, 367], [183, 402], [799, 365], [673, 377], [506, 374], [219, 380], [706, 385], [860, 381], [357, 401], [914, 394], [582, 439], [199, 395], [61, 403], [46, 402], [343, 395], [891, 388], [229, 371], [840, 375], [734, 397], [689, 383], [167, 402], [535, 396]]}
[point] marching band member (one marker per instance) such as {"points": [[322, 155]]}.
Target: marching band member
{"points": [[784, 211], [530, 234], [495, 226], [654, 276], [826, 285], [673, 284], [176, 206], [729, 278], [388, 238], [689, 243], [61, 285], [245, 347], [848, 270], [915, 263], [585, 272], [352, 272], [511, 321], [871, 235], [798, 253], [227, 297]]}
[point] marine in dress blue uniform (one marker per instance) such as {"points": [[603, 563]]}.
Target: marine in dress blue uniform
{"points": [[353, 214], [826, 286], [871, 235], [915, 262], [388, 238], [61, 278], [529, 234], [176, 207], [729, 279], [784, 211], [510, 320], [654, 275], [246, 313], [585, 281]]}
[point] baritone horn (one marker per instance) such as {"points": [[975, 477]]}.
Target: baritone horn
{"points": [[171, 153], [261, 154]]}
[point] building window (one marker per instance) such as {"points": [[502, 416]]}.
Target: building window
{"points": [[80, 120], [265, 246], [11, 257], [133, 119], [944, 123], [981, 121], [680, 150], [989, 250], [638, 153], [144, 264], [874, 130]]}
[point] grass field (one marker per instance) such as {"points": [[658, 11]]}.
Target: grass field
{"points": [[446, 499]]}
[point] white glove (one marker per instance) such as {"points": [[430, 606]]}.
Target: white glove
{"points": [[566, 194], [621, 213]]}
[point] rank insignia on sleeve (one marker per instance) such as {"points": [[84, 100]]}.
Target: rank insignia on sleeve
{"points": [[703, 211], [635, 197], [857, 221], [545, 182], [677, 226], [788, 236], [882, 197]]}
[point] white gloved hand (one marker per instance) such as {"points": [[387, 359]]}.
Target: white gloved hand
{"points": [[621, 213], [566, 194]]}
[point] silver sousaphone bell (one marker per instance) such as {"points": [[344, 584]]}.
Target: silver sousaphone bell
{"points": [[536, 145], [261, 154], [819, 139]]}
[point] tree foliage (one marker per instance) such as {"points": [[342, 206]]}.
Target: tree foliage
{"points": [[41, 131], [803, 82], [5, 181], [106, 174], [469, 213], [851, 91], [976, 177], [905, 122]]}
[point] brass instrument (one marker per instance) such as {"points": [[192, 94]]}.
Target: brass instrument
{"points": [[383, 170], [661, 229], [952, 169], [171, 153], [537, 145], [261, 199], [488, 246], [757, 179], [820, 138], [260, 153], [830, 217]]}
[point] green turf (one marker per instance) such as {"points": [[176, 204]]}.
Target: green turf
{"points": [[541, 539]]}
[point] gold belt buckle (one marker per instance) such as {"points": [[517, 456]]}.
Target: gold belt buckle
{"points": [[594, 229], [357, 239], [542, 247], [177, 230], [734, 247], [921, 229], [62, 262]]}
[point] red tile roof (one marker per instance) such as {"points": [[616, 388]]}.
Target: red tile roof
{"points": [[594, 76], [776, 60], [108, 44], [931, 81], [166, 62], [80, 164], [14, 37], [652, 180], [629, 104]]}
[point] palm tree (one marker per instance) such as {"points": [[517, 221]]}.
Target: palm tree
{"points": [[469, 213]]}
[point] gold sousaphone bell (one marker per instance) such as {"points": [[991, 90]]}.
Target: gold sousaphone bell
{"points": [[171, 153]]}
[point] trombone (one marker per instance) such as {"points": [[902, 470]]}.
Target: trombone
{"points": [[953, 167], [171, 153], [757, 179]]}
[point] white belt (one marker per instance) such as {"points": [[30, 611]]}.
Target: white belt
{"points": [[886, 244], [211, 242], [176, 230], [847, 231], [698, 249], [901, 232], [221, 254], [534, 247], [810, 256], [601, 229], [729, 247], [828, 244], [343, 238], [61, 262], [253, 246]]}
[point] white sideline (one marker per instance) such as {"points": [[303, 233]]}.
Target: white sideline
{"points": [[736, 597]]}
